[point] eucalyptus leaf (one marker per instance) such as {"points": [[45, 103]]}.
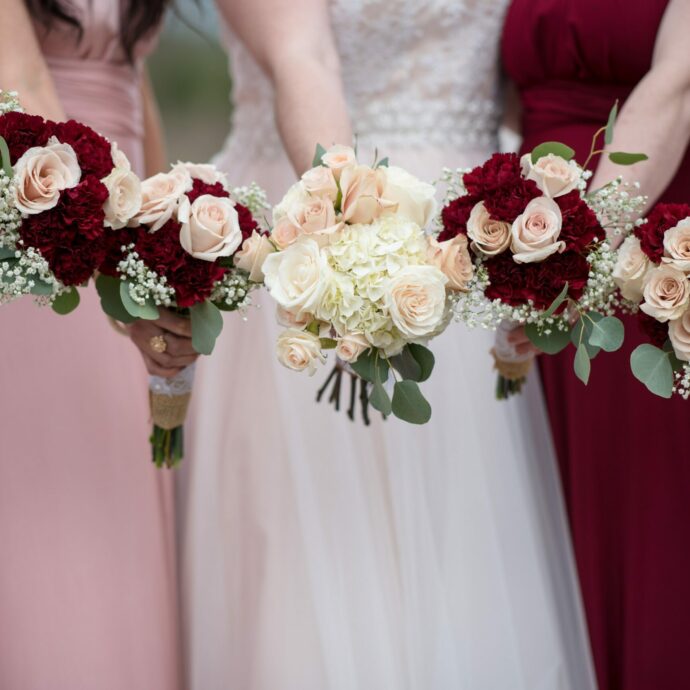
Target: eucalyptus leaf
{"points": [[562, 296], [148, 311], [108, 289], [610, 125], [207, 324], [328, 344], [409, 404], [582, 364], [424, 357], [383, 163], [581, 332], [364, 366], [41, 288], [381, 369], [7, 253], [607, 333], [5, 160], [652, 366], [318, 155], [551, 343], [621, 158], [554, 147], [380, 400], [407, 365], [67, 302]]}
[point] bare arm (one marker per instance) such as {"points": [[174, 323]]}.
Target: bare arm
{"points": [[24, 69], [155, 155], [656, 118], [293, 42]]}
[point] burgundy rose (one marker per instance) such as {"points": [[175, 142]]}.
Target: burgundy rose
{"points": [[656, 331], [455, 216], [22, 132], [580, 224], [93, 151], [661, 218]]}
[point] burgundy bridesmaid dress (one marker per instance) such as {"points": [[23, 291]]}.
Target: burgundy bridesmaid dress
{"points": [[623, 453]]}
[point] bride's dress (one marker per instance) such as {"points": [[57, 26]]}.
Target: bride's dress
{"points": [[322, 555]]}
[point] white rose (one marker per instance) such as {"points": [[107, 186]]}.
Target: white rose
{"points": [[666, 293], [124, 198], [210, 227], [285, 233], [679, 333], [120, 160], [554, 175], [290, 319], [320, 182], [252, 255], [42, 173], [415, 200], [161, 195], [489, 237], [296, 197], [535, 233], [677, 246], [205, 172], [416, 300], [338, 157], [630, 269], [296, 277], [299, 350], [351, 346]]}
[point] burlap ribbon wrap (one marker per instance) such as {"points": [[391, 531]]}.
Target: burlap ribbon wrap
{"points": [[169, 398], [511, 370]]}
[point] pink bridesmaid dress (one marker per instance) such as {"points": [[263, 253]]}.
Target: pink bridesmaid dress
{"points": [[87, 577]]}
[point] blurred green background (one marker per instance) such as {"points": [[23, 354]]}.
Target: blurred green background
{"points": [[190, 76]]}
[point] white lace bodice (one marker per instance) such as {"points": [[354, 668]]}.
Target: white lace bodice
{"points": [[417, 74]]}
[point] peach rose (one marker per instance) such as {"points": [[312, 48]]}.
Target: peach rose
{"points": [[630, 269], [666, 293], [202, 171], [316, 218], [416, 300], [362, 189], [252, 255], [535, 233], [161, 196], [337, 158], [554, 175], [679, 333], [453, 259], [351, 346], [677, 246], [124, 198], [285, 233], [290, 319], [489, 236], [42, 173], [299, 350], [320, 182], [210, 227]]}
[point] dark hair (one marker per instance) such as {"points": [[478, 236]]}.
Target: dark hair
{"points": [[137, 19]]}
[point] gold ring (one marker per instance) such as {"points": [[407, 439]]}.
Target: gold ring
{"points": [[158, 344]]}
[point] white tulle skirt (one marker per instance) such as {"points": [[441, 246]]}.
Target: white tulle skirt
{"points": [[319, 554]]}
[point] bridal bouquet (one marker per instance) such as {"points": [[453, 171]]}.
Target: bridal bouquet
{"points": [[196, 248], [541, 260], [64, 189], [356, 273], [653, 274]]}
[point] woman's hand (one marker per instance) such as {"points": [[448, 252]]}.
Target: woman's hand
{"points": [[176, 334], [520, 343]]}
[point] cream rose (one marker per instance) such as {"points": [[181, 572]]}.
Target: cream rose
{"points": [[210, 227], [120, 160], [299, 350], [630, 269], [205, 172], [677, 246], [290, 319], [285, 233], [338, 157], [320, 182], [489, 236], [161, 195], [42, 173], [351, 346], [252, 255], [414, 200], [317, 218], [296, 277], [554, 175], [666, 293], [679, 333], [294, 198], [535, 233], [124, 198], [416, 300], [453, 259], [362, 190]]}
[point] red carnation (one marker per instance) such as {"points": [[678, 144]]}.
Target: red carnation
{"points": [[114, 241], [580, 224], [93, 151], [247, 223], [22, 132], [508, 281], [200, 188], [663, 217], [656, 331], [455, 216]]}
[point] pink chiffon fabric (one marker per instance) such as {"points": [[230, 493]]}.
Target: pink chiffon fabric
{"points": [[87, 583]]}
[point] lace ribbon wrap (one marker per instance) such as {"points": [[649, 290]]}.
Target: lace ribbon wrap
{"points": [[509, 364], [169, 398]]}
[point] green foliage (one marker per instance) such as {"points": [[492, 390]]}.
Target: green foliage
{"points": [[207, 324], [318, 155], [554, 147], [108, 289], [607, 333], [582, 364], [67, 302], [652, 366], [551, 343], [5, 160], [621, 158], [148, 311], [562, 296], [610, 125], [409, 404]]}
